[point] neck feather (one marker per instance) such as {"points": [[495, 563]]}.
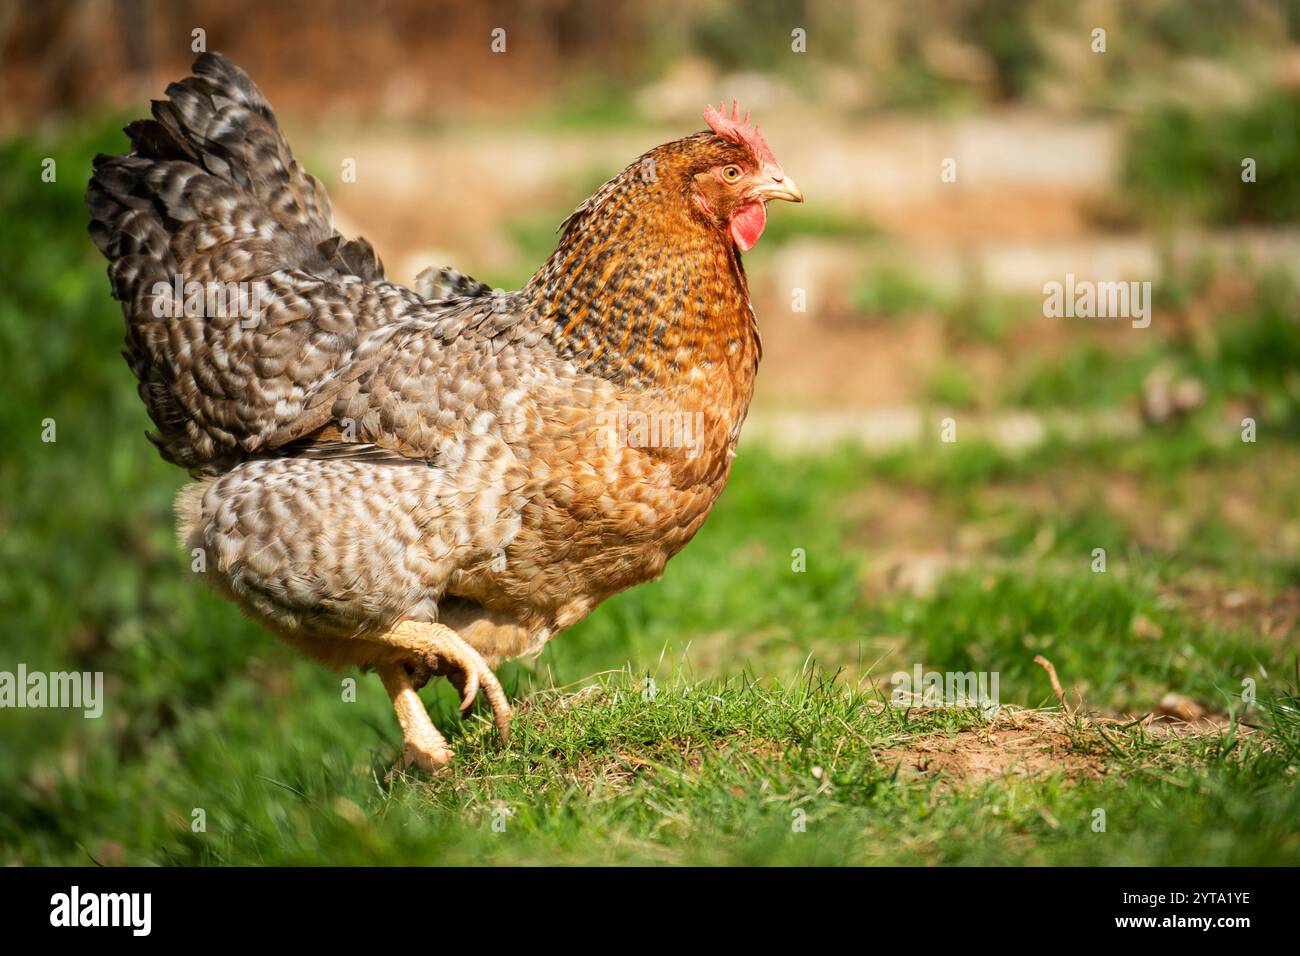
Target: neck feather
{"points": [[645, 291]]}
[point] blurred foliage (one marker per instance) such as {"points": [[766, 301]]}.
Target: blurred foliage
{"points": [[952, 386], [892, 292], [1184, 164], [814, 222], [1249, 357], [1002, 34], [1004, 31], [1202, 27], [583, 60], [737, 36], [1254, 355]]}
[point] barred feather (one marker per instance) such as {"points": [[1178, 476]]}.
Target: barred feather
{"points": [[372, 454]]}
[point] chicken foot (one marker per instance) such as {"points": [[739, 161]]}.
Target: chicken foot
{"points": [[439, 651], [424, 746]]}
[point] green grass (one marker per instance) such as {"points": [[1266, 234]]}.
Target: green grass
{"points": [[707, 772], [891, 292], [1186, 164], [769, 683], [1247, 359]]}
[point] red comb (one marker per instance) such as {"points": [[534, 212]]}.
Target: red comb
{"points": [[742, 134]]}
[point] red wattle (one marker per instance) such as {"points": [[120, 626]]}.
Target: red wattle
{"points": [[747, 224]]}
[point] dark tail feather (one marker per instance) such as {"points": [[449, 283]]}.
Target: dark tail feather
{"points": [[210, 191]]}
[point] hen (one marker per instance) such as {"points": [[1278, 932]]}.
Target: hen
{"points": [[427, 485]]}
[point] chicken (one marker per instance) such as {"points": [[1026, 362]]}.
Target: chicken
{"points": [[427, 485]]}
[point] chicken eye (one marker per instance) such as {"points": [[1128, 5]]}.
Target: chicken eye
{"points": [[731, 173]]}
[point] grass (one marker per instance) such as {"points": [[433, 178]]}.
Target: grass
{"points": [[1187, 164], [707, 772], [766, 735], [893, 292], [1233, 332], [1245, 358]]}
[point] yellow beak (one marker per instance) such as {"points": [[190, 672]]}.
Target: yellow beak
{"points": [[780, 186]]}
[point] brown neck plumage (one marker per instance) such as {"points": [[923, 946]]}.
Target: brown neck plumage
{"points": [[644, 291]]}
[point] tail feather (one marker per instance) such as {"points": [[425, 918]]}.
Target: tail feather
{"points": [[211, 193]]}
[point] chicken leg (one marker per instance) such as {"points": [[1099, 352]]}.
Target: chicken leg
{"points": [[437, 651], [424, 746]]}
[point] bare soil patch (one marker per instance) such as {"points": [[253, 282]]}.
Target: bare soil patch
{"points": [[1018, 743]]}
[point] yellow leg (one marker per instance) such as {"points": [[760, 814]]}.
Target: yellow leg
{"points": [[437, 650], [425, 747]]}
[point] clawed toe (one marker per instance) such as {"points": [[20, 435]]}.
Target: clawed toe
{"points": [[435, 650], [469, 673], [428, 759], [466, 683]]}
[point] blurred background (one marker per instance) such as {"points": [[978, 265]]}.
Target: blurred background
{"points": [[1117, 165], [922, 299]]}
